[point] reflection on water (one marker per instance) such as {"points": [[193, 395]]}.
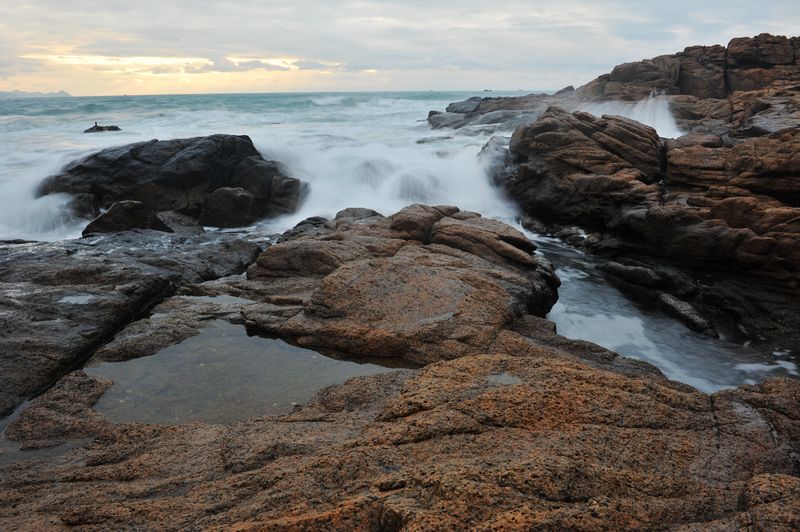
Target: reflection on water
{"points": [[589, 308], [219, 376]]}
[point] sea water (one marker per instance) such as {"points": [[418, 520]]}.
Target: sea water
{"points": [[370, 150]]}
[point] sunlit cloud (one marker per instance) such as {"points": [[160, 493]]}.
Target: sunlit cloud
{"points": [[112, 47]]}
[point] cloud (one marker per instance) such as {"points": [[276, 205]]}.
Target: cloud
{"points": [[224, 64], [412, 43]]}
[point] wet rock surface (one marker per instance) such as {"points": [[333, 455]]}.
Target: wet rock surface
{"points": [[449, 280], [181, 175], [62, 300], [522, 437], [508, 426], [727, 212]]}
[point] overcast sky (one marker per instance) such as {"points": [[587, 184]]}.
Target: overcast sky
{"points": [[186, 46]]}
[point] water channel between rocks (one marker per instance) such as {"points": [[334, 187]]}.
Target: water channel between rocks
{"points": [[221, 375], [589, 308]]}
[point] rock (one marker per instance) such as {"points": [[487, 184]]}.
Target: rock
{"points": [[179, 175], [63, 412], [747, 64], [457, 278], [686, 313], [180, 223], [696, 201], [228, 207], [125, 215], [508, 426], [96, 129], [467, 106], [61, 300], [523, 437], [503, 113], [763, 61], [440, 120]]}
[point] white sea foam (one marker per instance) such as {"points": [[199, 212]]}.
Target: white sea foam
{"points": [[354, 150], [653, 111]]}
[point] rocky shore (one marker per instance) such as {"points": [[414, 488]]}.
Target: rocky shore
{"points": [[485, 417], [707, 223], [507, 426]]}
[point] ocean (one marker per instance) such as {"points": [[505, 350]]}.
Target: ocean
{"points": [[356, 149]]}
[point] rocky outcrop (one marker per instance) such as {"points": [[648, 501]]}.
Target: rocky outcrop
{"points": [[746, 89], [498, 441], [449, 280], [181, 175], [509, 426], [695, 201], [747, 64], [59, 301]]}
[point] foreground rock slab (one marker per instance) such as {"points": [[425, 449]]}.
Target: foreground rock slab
{"points": [[59, 301], [525, 436]]}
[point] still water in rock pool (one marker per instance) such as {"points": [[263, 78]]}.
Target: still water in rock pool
{"points": [[219, 376]]}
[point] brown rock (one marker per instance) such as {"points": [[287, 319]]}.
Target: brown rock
{"points": [[449, 282], [727, 207], [528, 439]]}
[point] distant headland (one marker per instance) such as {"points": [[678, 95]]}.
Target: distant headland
{"points": [[9, 95]]}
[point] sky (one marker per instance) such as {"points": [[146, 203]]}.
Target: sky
{"points": [[91, 47]]}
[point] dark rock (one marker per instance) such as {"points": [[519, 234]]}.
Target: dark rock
{"points": [[228, 207], [354, 213], [96, 129], [125, 215], [440, 120], [467, 106], [180, 223], [179, 175], [686, 313], [61, 300]]}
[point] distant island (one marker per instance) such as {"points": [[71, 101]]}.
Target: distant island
{"points": [[10, 95]]}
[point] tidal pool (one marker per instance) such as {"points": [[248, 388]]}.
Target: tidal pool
{"points": [[222, 375]]}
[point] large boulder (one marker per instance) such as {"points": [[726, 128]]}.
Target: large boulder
{"points": [[180, 175], [447, 282]]}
